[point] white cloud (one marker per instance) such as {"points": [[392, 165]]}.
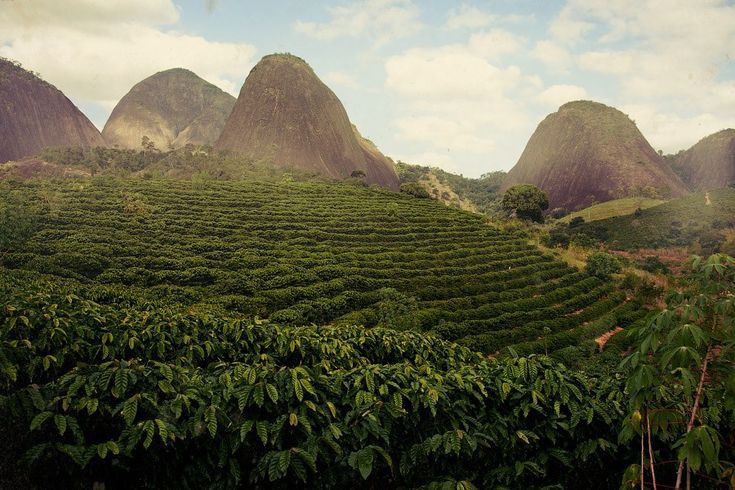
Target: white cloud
{"points": [[458, 100], [552, 54], [96, 50], [443, 160], [556, 95], [341, 78], [495, 43], [670, 50], [380, 20], [671, 132], [468, 17], [670, 60]]}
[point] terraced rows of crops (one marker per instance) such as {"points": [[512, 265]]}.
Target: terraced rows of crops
{"points": [[302, 253]]}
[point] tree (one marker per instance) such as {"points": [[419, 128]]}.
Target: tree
{"points": [[526, 202], [680, 377], [602, 265]]}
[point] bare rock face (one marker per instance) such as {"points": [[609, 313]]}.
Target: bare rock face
{"points": [[35, 115], [588, 152], [286, 116], [172, 109], [710, 164]]}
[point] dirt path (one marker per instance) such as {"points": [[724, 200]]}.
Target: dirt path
{"points": [[602, 339], [706, 199]]}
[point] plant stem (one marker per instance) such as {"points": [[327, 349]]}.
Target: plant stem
{"points": [[693, 417], [650, 450], [643, 461]]}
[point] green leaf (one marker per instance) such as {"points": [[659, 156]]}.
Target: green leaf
{"points": [[272, 392], [365, 462], [297, 388], [261, 427], [245, 429], [149, 430], [210, 417], [39, 419], [121, 382], [162, 430], [102, 450], [130, 409], [60, 422]]}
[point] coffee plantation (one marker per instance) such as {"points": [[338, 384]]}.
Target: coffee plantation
{"points": [[206, 334], [308, 253]]}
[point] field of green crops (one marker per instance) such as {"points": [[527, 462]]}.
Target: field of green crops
{"points": [[313, 253]]}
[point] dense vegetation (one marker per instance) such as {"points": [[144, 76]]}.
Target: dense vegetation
{"points": [[303, 253], [137, 394], [126, 392]]}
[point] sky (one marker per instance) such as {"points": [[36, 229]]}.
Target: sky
{"points": [[458, 85]]}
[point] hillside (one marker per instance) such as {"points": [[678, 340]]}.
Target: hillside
{"points": [[34, 115], [710, 164], [303, 253], [700, 222], [588, 152], [171, 108], [610, 209], [474, 195], [286, 116]]}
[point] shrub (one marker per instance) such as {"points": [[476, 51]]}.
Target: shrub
{"points": [[602, 265], [576, 221]]}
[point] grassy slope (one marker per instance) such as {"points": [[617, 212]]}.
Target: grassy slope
{"points": [[677, 223], [617, 207], [302, 253]]}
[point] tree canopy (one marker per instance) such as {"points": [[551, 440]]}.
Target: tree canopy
{"points": [[526, 201]]}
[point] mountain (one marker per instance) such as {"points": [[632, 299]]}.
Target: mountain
{"points": [[287, 116], [587, 152], [710, 163], [34, 115], [172, 108]]}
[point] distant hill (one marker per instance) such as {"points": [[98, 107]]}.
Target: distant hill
{"points": [[710, 164], [701, 222], [287, 116], [172, 108], [588, 152], [475, 195], [34, 115]]}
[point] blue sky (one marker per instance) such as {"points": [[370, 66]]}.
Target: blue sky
{"points": [[457, 85]]}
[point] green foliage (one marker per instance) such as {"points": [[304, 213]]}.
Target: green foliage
{"points": [[526, 201], [145, 395], [602, 265], [299, 253], [680, 380]]}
